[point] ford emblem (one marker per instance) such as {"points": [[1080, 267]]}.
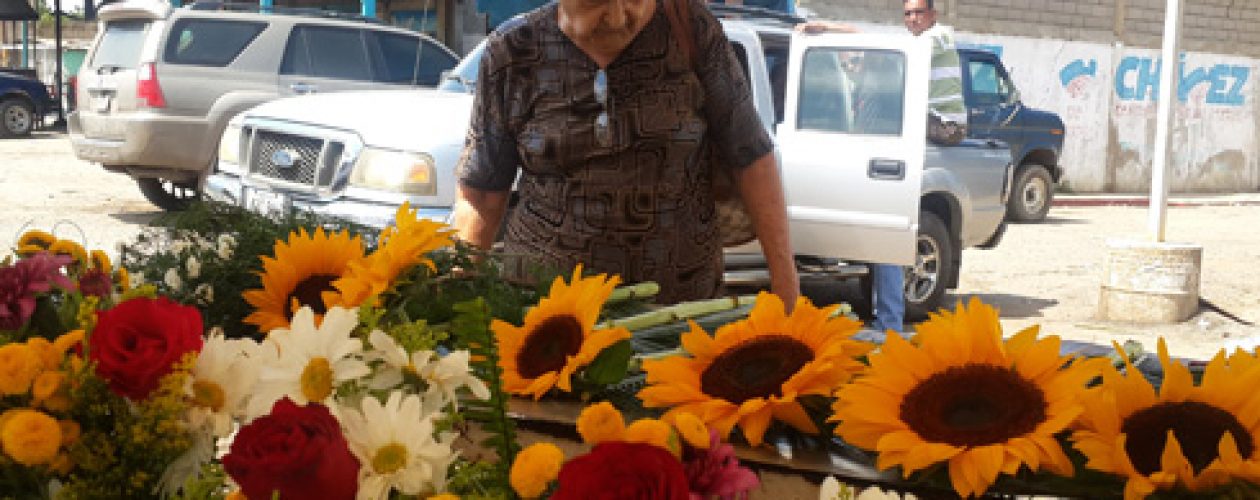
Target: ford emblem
{"points": [[284, 158]]}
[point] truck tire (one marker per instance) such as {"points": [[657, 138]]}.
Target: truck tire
{"points": [[17, 117], [1031, 195], [933, 268], [167, 195]]}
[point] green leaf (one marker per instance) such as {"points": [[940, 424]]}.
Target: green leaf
{"points": [[610, 366]]}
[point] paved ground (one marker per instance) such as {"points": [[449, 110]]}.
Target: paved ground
{"points": [[1046, 273]]}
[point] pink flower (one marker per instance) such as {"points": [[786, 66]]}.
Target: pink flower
{"points": [[716, 472], [21, 282], [96, 283]]}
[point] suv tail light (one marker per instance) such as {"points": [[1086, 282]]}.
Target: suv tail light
{"points": [[148, 91]]}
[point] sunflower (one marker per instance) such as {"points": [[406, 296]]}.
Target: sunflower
{"points": [[1195, 437], [70, 249], [964, 396], [559, 336], [403, 246], [303, 268], [33, 242], [754, 370]]}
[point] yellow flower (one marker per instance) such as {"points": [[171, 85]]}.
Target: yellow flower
{"points": [[99, 260], [70, 432], [559, 336], [47, 385], [235, 495], [1188, 436], [753, 371], [304, 267], [33, 242], [403, 246], [965, 397], [68, 340], [49, 356], [535, 468], [601, 422], [71, 249], [444, 496], [692, 430], [653, 432], [19, 364], [30, 437], [123, 279], [62, 464]]}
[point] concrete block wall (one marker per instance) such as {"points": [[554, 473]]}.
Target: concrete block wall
{"points": [[1217, 26]]}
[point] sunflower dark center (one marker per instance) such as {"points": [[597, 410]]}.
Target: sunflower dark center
{"points": [[549, 346], [756, 368], [1198, 427], [974, 405], [309, 292]]}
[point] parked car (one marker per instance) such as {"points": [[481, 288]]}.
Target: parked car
{"points": [[1035, 135], [159, 85], [857, 191], [24, 102]]}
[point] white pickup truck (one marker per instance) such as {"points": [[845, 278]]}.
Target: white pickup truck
{"points": [[847, 112]]}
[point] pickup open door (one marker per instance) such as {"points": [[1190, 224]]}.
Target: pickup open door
{"points": [[852, 144]]}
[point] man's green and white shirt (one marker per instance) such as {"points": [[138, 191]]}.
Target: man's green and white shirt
{"points": [[945, 98]]}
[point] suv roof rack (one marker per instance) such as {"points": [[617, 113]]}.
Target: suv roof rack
{"points": [[231, 6], [759, 13]]}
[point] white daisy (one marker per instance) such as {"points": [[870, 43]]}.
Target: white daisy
{"points": [[446, 374], [396, 447], [393, 358], [307, 362], [221, 379], [193, 266], [172, 279]]}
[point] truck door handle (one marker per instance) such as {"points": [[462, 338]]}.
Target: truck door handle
{"points": [[886, 169], [303, 88]]}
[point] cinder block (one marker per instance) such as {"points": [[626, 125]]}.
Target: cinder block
{"points": [[1150, 282]]}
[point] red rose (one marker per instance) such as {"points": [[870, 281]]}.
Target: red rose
{"points": [[297, 451], [620, 470], [135, 344]]}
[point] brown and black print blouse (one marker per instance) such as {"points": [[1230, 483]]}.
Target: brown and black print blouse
{"points": [[640, 205]]}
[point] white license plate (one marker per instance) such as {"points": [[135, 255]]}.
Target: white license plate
{"points": [[266, 202], [100, 104]]}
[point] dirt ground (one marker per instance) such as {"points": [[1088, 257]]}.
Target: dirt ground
{"points": [[1046, 273]]}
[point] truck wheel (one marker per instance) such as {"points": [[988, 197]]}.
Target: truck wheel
{"points": [[167, 195], [933, 268], [1032, 194], [17, 118]]}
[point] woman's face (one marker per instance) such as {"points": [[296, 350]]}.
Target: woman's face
{"points": [[604, 25]]}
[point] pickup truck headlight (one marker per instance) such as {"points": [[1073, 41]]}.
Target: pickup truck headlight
{"points": [[396, 171], [230, 145]]}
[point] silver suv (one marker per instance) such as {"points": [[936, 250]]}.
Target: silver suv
{"points": [[160, 84]]}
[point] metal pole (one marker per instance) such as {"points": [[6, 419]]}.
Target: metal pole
{"points": [[61, 108], [26, 45], [1167, 106]]}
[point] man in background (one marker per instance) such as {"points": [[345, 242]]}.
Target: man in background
{"points": [[947, 125]]}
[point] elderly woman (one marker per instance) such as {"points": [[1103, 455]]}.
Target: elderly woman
{"points": [[618, 132]]}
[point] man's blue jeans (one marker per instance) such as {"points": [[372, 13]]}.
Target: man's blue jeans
{"points": [[890, 297]]}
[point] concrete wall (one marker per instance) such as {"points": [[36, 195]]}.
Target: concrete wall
{"points": [[1096, 63]]}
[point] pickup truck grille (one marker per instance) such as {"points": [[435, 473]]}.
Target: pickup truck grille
{"points": [[308, 161]]}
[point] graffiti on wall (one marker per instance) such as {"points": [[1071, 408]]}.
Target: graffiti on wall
{"points": [[1137, 79]]}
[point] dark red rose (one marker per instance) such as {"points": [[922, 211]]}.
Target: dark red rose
{"points": [[135, 344], [617, 470], [298, 451]]}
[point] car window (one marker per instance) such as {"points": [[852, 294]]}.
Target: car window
{"points": [[410, 60], [327, 52], [852, 91], [988, 86], [463, 78], [120, 45], [209, 42]]}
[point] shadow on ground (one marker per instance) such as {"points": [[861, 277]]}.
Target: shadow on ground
{"points": [[1009, 306], [137, 217], [1053, 220]]}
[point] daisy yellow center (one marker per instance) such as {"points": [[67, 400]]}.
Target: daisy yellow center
{"points": [[1198, 427], [549, 346], [308, 292], [317, 379], [207, 394], [974, 405], [389, 459], [755, 368]]}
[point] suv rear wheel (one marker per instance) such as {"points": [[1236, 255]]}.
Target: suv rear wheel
{"points": [[1030, 200], [17, 118], [933, 268], [168, 195]]}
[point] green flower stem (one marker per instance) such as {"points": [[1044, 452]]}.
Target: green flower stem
{"points": [[678, 312], [635, 291]]}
